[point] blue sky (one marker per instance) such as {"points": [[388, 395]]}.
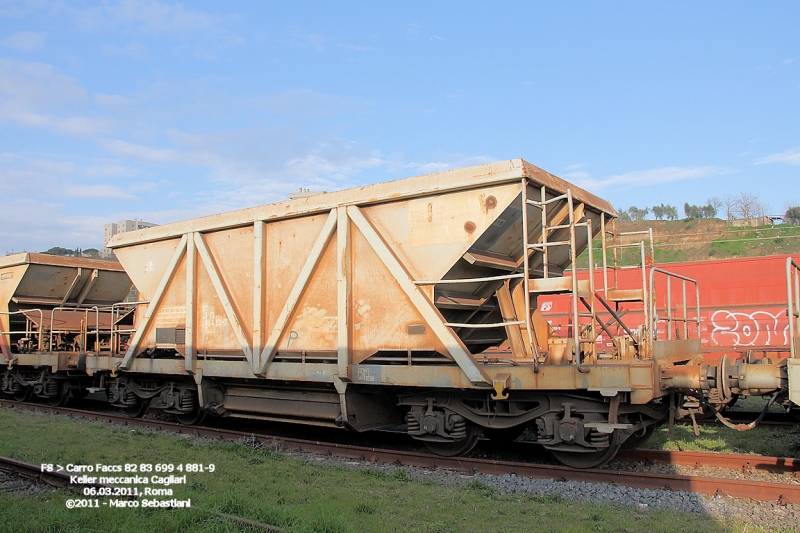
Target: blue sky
{"points": [[165, 111]]}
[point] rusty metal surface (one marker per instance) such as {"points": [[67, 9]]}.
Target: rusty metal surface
{"points": [[734, 461], [737, 488], [404, 189], [30, 280], [27, 258], [44, 282], [355, 274]]}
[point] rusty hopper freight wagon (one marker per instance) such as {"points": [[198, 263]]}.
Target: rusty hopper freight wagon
{"points": [[59, 308], [375, 306]]}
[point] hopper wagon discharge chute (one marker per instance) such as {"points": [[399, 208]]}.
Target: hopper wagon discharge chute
{"points": [[377, 306], [54, 312]]}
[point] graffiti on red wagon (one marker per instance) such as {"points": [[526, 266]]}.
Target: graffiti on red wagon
{"points": [[758, 328]]}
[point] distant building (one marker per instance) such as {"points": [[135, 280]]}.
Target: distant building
{"points": [[123, 226], [755, 221]]}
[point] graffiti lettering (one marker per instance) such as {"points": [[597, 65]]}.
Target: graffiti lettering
{"points": [[759, 328]]}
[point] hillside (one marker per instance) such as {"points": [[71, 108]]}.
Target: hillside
{"points": [[699, 239]]}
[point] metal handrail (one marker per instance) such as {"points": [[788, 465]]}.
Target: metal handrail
{"points": [[73, 309], [487, 326], [685, 320], [793, 298], [115, 330], [571, 243], [27, 331], [96, 329]]}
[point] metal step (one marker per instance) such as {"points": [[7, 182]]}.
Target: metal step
{"points": [[491, 260], [625, 295], [561, 285], [456, 300]]}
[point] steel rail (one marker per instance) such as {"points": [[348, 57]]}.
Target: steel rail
{"points": [[782, 493], [732, 461]]}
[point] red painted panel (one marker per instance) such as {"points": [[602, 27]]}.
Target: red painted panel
{"points": [[742, 302]]}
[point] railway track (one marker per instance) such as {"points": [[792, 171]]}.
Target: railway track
{"points": [[781, 493]]}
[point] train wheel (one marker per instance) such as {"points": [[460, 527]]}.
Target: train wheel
{"points": [[458, 447], [637, 439], [504, 436], [78, 392], [24, 394], [61, 398], [138, 409], [580, 459], [192, 418]]}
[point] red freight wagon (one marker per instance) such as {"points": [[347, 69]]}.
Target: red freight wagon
{"points": [[743, 303]]}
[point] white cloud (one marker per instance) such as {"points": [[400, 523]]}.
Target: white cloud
{"points": [[107, 192], [789, 157], [24, 41], [641, 178], [577, 176], [236, 169], [37, 84], [299, 38], [46, 198], [111, 101], [146, 153], [453, 161], [35, 94], [148, 15], [432, 167]]}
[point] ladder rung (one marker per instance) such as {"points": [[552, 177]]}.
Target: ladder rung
{"points": [[548, 244], [550, 201]]}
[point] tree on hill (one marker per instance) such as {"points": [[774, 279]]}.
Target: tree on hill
{"points": [[716, 203], [638, 214], [57, 250], [749, 206], [702, 211], [665, 211], [792, 216], [92, 253]]}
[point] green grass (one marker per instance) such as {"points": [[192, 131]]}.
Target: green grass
{"points": [[761, 440], [300, 496], [773, 441], [756, 242], [720, 243]]}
